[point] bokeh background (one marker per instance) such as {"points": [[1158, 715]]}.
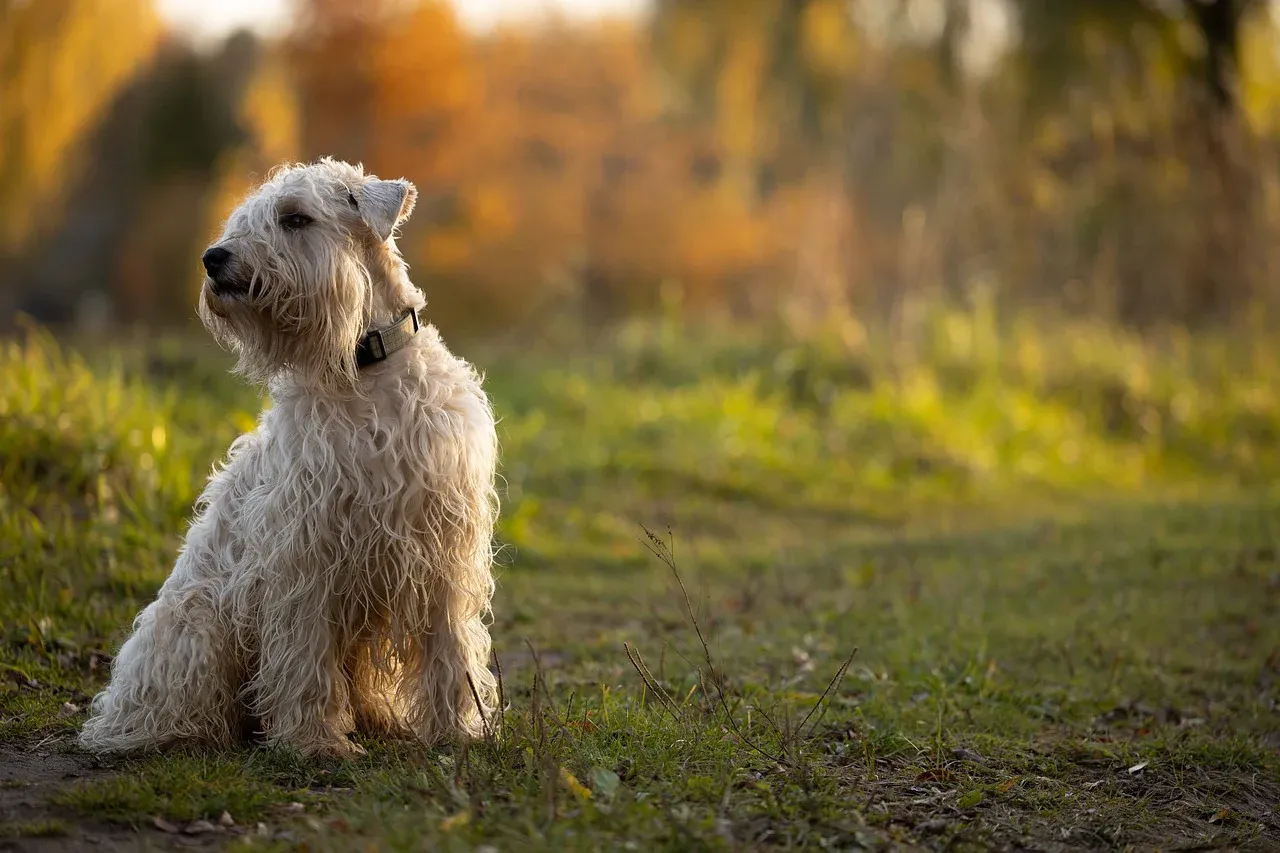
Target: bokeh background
{"points": [[791, 162], [939, 330]]}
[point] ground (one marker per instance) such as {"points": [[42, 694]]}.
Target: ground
{"points": [[1013, 590]]}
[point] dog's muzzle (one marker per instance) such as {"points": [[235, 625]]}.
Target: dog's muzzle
{"points": [[224, 278]]}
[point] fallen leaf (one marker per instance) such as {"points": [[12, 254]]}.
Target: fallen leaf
{"points": [[1006, 786], [1220, 816], [163, 825], [1137, 768], [605, 781], [579, 790]]}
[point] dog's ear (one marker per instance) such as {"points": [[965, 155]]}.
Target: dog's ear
{"points": [[385, 204]]}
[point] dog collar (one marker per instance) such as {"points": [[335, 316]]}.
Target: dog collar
{"points": [[377, 344]]}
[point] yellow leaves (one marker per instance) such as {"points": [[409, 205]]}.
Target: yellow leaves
{"points": [[1047, 190], [270, 113], [580, 791], [1260, 73], [447, 248], [688, 39], [490, 209], [62, 68], [1007, 785], [456, 821], [423, 56], [828, 37]]}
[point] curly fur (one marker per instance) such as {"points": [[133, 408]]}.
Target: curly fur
{"points": [[337, 574]]}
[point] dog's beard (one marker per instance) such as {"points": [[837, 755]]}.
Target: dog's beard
{"points": [[284, 326]]}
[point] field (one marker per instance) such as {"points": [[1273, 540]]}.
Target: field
{"points": [[1009, 585]]}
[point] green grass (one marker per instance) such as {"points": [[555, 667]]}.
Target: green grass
{"points": [[1054, 548], [33, 829]]}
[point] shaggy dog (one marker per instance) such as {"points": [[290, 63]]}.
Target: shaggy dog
{"points": [[337, 574]]}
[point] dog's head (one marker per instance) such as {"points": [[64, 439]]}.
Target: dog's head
{"points": [[304, 266]]}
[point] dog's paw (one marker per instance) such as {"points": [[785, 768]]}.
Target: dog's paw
{"points": [[331, 748]]}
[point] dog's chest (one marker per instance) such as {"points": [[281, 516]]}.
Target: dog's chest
{"points": [[379, 475]]}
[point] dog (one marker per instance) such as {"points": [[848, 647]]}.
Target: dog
{"points": [[337, 575]]}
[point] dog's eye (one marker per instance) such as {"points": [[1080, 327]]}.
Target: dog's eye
{"points": [[295, 221]]}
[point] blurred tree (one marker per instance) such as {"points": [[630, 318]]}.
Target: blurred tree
{"points": [[118, 250], [61, 64], [392, 84], [331, 48], [757, 66], [772, 79], [603, 193], [1129, 53], [424, 88]]}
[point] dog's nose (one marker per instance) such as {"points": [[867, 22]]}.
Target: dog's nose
{"points": [[215, 259]]}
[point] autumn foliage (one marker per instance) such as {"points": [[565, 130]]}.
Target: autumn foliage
{"points": [[759, 158]]}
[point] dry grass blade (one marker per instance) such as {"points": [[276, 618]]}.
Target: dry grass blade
{"points": [[484, 719], [832, 685], [666, 554], [540, 681], [649, 682], [502, 692]]}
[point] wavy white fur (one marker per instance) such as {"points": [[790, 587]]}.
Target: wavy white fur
{"points": [[337, 575]]}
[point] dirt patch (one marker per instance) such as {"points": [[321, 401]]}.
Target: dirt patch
{"points": [[30, 778]]}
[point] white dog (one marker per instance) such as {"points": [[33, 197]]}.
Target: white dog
{"points": [[337, 575]]}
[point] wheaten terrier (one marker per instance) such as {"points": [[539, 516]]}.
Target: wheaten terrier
{"points": [[337, 575]]}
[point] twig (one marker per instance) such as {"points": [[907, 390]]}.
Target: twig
{"points": [[475, 694], [540, 679], [666, 701], [502, 693], [664, 553], [831, 685]]}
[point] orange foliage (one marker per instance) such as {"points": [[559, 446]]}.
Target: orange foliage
{"points": [[546, 164]]}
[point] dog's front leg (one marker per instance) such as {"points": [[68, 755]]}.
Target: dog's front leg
{"points": [[174, 679], [447, 688], [299, 692], [447, 671]]}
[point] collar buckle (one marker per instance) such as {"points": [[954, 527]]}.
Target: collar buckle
{"points": [[376, 345]]}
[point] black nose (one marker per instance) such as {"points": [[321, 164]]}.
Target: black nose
{"points": [[215, 259]]}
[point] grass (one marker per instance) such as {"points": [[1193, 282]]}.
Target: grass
{"points": [[993, 585], [33, 829]]}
